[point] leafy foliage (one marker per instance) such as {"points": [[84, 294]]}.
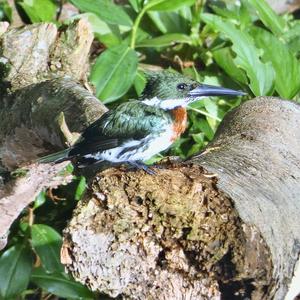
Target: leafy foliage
{"points": [[242, 46], [15, 267], [116, 62], [32, 258]]}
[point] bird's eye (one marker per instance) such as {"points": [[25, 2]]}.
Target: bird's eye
{"points": [[181, 86]]}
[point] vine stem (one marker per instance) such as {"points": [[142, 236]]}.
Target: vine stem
{"points": [[139, 18], [135, 26], [202, 112]]}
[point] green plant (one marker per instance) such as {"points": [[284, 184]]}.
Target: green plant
{"points": [[240, 46], [30, 265]]}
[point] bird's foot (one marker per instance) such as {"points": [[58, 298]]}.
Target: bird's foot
{"points": [[142, 166]]}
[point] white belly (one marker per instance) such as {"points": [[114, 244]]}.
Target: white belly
{"points": [[136, 150]]}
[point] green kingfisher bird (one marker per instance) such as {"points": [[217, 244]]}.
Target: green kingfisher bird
{"points": [[135, 131]]}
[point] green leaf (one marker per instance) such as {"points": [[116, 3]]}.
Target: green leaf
{"points": [[292, 36], [40, 199], [81, 187], [205, 128], [139, 82], [225, 12], [171, 22], [211, 107], [5, 11], [15, 270], [271, 20], [199, 138], [98, 26], [168, 5], [165, 40], [285, 64], [225, 60], [47, 243], [136, 4], [108, 34], [261, 75], [39, 10], [114, 72], [60, 285], [106, 10], [293, 32]]}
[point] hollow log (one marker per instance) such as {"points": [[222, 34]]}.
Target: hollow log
{"points": [[224, 224]]}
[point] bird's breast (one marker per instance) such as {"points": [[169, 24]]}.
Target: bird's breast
{"points": [[179, 115]]}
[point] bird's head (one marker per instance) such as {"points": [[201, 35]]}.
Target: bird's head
{"points": [[169, 90]]}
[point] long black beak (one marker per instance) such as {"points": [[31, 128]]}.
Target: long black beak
{"points": [[211, 90]]}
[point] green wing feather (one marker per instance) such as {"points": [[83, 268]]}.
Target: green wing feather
{"points": [[130, 120]]}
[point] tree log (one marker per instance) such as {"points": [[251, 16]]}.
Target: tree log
{"points": [[42, 108], [224, 224]]}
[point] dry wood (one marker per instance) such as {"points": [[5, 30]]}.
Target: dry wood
{"points": [[42, 107], [229, 230]]}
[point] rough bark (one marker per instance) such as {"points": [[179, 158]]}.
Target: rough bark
{"points": [[223, 225], [42, 107], [256, 154]]}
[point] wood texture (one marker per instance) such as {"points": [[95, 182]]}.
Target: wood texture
{"points": [[42, 108], [222, 225]]}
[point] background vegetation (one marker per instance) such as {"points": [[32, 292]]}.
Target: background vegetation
{"points": [[242, 45]]}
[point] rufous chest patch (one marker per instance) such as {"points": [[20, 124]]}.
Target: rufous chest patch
{"points": [[180, 122]]}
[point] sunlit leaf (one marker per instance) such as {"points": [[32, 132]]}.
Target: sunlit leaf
{"points": [[225, 60], [108, 34], [274, 22], [60, 285], [114, 72], [47, 243], [227, 13], [168, 5], [205, 128], [39, 10], [15, 270], [261, 75], [106, 10], [136, 4], [285, 64]]}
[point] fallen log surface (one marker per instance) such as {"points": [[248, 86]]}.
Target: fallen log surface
{"points": [[224, 224]]}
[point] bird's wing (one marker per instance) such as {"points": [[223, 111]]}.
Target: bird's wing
{"points": [[129, 121]]}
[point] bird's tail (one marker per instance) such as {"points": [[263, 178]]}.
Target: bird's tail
{"points": [[56, 157]]}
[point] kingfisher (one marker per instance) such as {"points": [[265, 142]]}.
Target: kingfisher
{"points": [[136, 130]]}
